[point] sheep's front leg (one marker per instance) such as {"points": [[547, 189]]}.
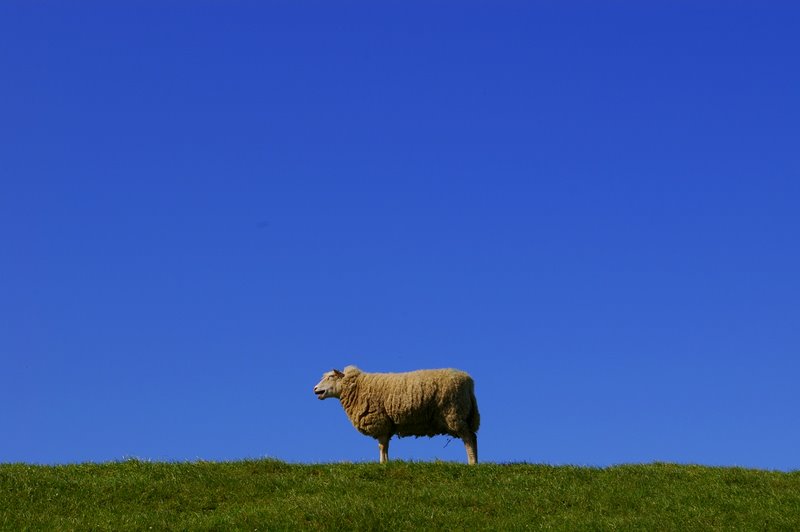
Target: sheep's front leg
{"points": [[383, 445]]}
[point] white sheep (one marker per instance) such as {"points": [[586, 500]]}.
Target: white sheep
{"points": [[417, 403]]}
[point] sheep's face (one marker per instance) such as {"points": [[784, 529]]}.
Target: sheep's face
{"points": [[330, 385]]}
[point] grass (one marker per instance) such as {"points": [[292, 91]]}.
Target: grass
{"points": [[273, 495]]}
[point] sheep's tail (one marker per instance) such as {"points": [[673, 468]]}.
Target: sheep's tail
{"points": [[474, 417]]}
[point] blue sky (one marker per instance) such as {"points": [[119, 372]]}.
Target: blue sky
{"points": [[593, 210]]}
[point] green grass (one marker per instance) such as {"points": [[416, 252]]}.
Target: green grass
{"points": [[269, 495]]}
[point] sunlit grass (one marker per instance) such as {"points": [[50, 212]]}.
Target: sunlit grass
{"points": [[269, 494]]}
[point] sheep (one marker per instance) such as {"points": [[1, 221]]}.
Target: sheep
{"points": [[417, 403]]}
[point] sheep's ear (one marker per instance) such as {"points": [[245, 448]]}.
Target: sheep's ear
{"points": [[338, 373]]}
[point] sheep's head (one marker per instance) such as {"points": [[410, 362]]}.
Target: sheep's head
{"points": [[330, 385]]}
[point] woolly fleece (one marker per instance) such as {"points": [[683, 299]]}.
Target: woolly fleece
{"points": [[417, 403]]}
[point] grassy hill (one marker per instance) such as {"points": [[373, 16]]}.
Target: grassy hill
{"points": [[268, 494]]}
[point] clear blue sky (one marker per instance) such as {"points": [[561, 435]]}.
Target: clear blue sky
{"points": [[206, 205]]}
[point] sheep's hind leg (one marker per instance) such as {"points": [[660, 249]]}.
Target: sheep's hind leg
{"points": [[383, 445], [471, 444]]}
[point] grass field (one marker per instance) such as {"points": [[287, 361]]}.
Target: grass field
{"points": [[268, 495]]}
